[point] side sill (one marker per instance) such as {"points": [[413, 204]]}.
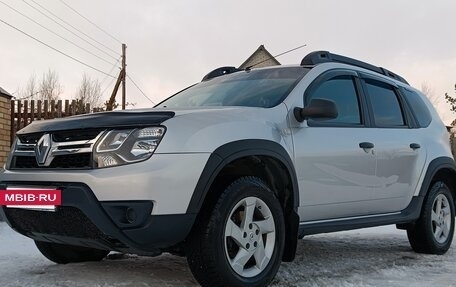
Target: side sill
{"points": [[408, 215]]}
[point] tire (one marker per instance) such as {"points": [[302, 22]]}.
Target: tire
{"points": [[63, 254], [434, 230], [216, 241]]}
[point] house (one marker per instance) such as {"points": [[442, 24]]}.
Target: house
{"points": [[260, 58]]}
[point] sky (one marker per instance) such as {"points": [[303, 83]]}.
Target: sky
{"points": [[173, 44]]}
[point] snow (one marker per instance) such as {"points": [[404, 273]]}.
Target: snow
{"points": [[367, 257]]}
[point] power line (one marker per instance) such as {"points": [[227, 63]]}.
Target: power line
{"points": [[110, 71], [50, 18], [75, 28], [110, 83], [49, 30], [85, 18], [55, 49], [140, 90]]}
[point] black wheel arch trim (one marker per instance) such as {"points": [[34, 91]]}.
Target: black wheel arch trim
{"points": [[235, 150], [250, 147], [434, 166]]}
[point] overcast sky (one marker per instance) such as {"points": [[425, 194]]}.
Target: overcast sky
{"points": [[172, 44]]}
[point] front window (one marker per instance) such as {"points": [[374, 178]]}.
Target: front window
{"points": [[263, 88]]}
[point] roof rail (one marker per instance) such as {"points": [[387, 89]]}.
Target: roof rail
{"points": [[220, 72], [318, 57]]}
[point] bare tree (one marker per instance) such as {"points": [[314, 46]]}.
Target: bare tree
{"points": [[31, 89], [429, 92], [50, 88], [89, 92], [451, 100]]}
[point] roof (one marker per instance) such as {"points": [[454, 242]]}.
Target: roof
{"points": [[260, 58], [5, 93]]}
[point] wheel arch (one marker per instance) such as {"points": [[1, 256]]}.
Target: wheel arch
{"points": [[440, 169], [265, 159]]}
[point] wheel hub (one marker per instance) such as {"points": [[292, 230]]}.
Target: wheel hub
{"points": [[252, 237]]}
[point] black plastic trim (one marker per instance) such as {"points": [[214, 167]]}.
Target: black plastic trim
{"points": [[235, 150], [99, 120], [408, 215], [147, 236], [434, 166], [318, 57], [220, 72]]}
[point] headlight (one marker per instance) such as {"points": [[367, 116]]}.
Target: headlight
{"points": [[118, 147]]}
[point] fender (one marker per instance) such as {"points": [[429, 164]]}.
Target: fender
{"points": [[235, 150], [434, 166], [238, 149]]}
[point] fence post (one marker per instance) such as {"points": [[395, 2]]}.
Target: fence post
{"points": [[5, 128]]}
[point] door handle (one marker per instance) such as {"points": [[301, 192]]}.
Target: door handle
{"points": [[414, 146], [366, 145]]}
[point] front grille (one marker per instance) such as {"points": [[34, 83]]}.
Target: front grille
{"points": [[24, 162], [69, 150], [80, 160], [65, 221], [75, 135]]}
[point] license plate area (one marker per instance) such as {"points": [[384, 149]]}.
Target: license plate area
{"points": [[46, 199]]}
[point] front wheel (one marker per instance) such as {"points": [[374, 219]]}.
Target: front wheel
{"points": [[241, 242], [433, 232]]}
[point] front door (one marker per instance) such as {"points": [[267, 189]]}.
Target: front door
{"points": [[335, 163]]}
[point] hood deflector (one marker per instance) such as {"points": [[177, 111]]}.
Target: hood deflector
{"points": [[99, 120]]}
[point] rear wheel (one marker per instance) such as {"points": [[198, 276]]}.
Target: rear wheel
{"points": [[240, 243], [433, 232], [63, 254]]}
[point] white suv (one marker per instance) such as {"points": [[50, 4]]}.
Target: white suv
{"points": [[232, 171]]}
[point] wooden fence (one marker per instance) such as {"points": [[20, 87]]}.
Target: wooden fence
{"points": [[27, 111]]}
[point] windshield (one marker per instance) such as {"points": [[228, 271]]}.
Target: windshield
{"points": [[256, 88]]}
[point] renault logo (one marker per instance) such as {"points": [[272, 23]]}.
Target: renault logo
{"points": [[42, 149]]}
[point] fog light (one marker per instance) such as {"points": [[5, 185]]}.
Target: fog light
{"points": [[131, 215]]}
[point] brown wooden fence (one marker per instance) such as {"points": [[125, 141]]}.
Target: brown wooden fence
{"points": [[26, 111]]}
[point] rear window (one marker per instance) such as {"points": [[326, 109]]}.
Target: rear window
{"points": [[256, 88], [419, 108], [385, 104]]}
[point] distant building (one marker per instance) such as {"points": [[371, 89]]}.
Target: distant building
{"points": [[260, 58]]}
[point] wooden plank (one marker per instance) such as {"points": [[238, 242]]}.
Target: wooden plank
{"points": [[25, 114], [19, 118], [46, 109], [73, 108], [39, 110], [59, 108], [32, 111], [67, 108], [13, 126], [52, 109]]}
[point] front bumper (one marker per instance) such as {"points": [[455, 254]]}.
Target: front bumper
{"points": [[84, 221]]}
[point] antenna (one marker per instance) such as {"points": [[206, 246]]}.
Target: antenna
{"points": [[278, 55]]}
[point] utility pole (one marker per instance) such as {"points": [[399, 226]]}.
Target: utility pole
{"points": [[124, 68], [120, 80]]}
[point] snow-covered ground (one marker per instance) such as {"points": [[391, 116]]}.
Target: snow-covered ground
{"points": [[368, 257]]}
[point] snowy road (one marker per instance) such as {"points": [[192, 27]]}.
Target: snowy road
{"points": [[369, 257]]}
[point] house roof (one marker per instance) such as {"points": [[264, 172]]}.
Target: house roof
{"points": [[5, 93], [260, 58]]}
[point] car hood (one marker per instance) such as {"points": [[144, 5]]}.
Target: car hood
{"points": [[116, 119]]}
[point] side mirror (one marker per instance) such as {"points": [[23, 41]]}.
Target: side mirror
{"points": [[317, 109]]}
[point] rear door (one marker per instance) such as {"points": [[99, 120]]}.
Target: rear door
{"points": [[400, 152]]}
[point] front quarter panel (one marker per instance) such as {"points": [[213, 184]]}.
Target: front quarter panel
{"points": [[202, 132]]}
